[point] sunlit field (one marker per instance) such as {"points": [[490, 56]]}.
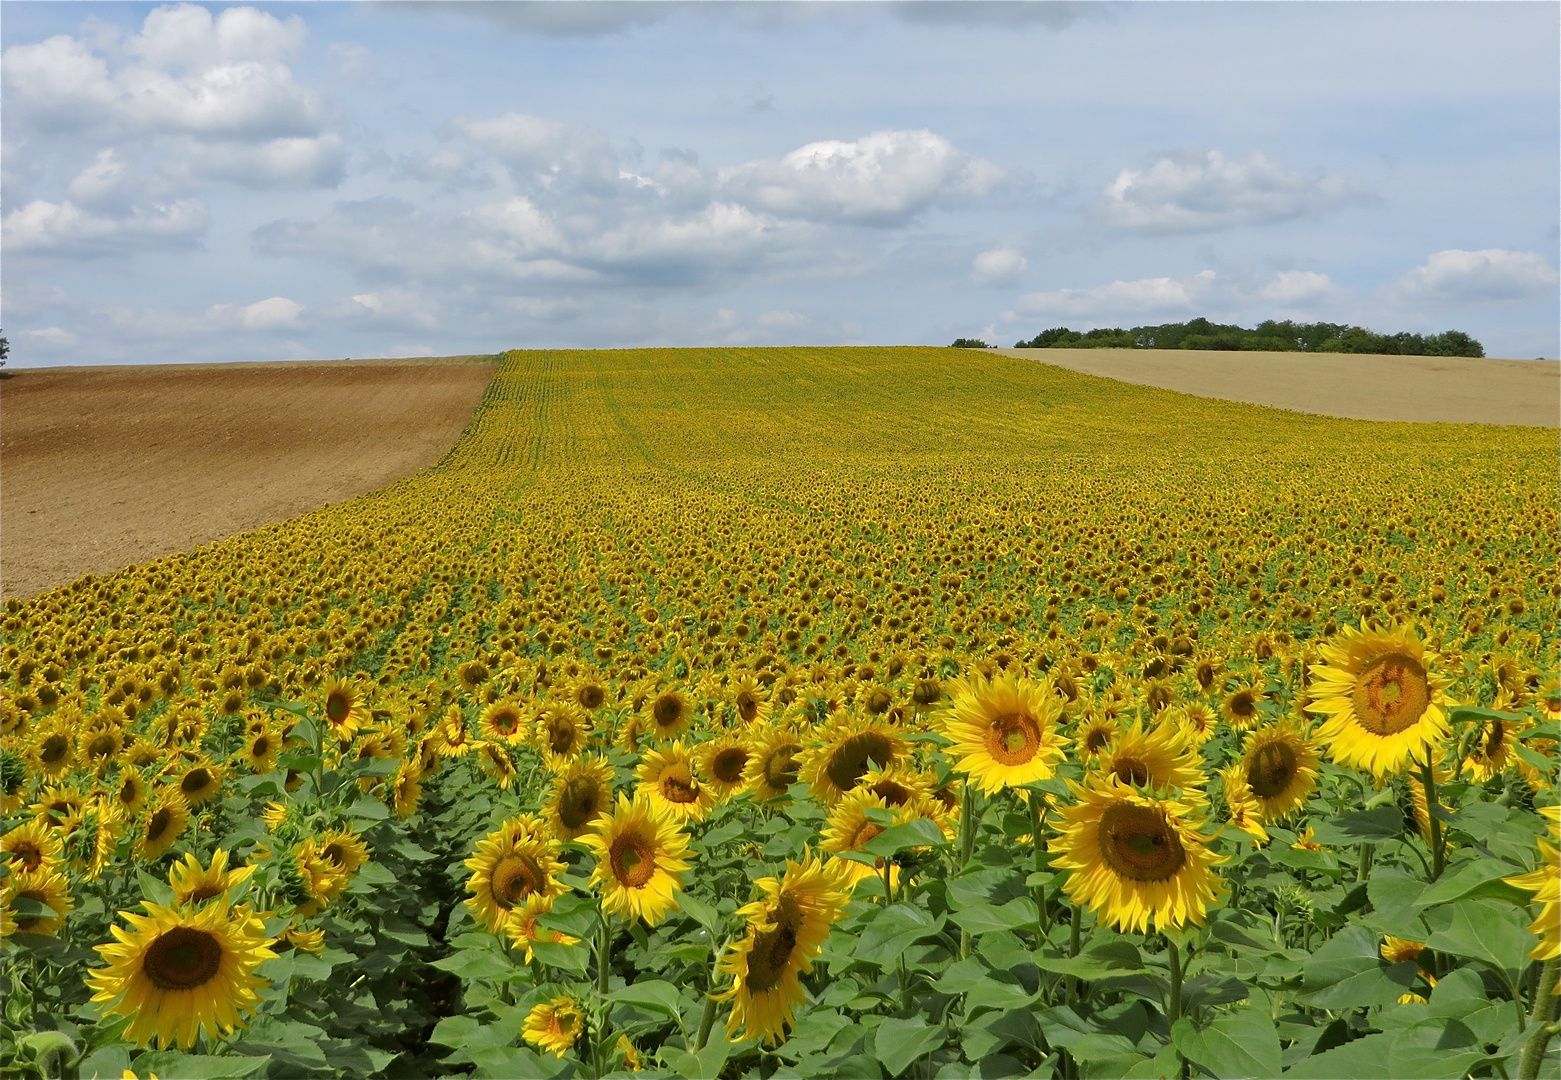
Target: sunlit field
{"points": [[813, 712]]}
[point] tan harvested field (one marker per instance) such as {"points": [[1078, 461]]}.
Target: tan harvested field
{"points": [[103, 467], [1428, 389]]}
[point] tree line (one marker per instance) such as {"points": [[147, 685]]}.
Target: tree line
{"points": [[1267, 336]]}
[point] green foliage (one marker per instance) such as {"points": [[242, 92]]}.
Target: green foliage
{"points": [[1267, 336]]}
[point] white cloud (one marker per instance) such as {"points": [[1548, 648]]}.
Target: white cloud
{"points": [[1472, 277], [275, 313], [450, 169], [65, 228], [1197, 193], [884, 178], [546, 151], [48, 337], [1299, 288], [997, 267], [1142, 297], [277, 163]]}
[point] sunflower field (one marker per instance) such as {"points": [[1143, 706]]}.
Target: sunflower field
{"points": [[805, 713]]}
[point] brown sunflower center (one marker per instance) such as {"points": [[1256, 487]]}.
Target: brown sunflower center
{"points": [[591, 696], [28, 853], [747, 706], [1131, 770], [183, 958], [849, 760], [54, 749], [506, 721], [205, 891], [1495, 738], [159, 824], [516, 877], [102, 745], [727, 765], [579, 802], [772, 949], [1391, 694], [130, 790], [335, 852], [1204, 673], [1095, 740], [666, 711], [1139, 844], [561, 734], [338, 706], [1273, 768], [892, 792], [195, 781], [632, 859], [865, 832], [780, 767], [260, 747], [1242, 704], [678, 787], [1013, 739]]}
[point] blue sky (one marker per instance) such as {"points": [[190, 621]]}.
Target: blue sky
{"points": [[280, 181]]}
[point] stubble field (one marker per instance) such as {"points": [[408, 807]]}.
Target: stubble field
{"points": [[821, 712]]}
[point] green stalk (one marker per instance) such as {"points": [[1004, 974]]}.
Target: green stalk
{"points": [[1075, 984], [1542, 1022], [707, 1018], [603, 951], [967, 824], [1175, 1012], [1428, 780], [1036, 817]]}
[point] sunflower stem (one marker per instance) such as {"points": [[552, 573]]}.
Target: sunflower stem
{"points": [[967, 824], [1541, 1022], [1037, 816], [1428, 780], [1175, 952], [707, 1018], [1367, 849], [603, 951]]}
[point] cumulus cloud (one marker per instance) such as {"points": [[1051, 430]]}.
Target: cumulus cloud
{"points": [[884, 178], [1299, 288], [546, 151], [65, 228], [1191, 192], [1472, 277], [1142, 297], [997, 267], [276, 163]]}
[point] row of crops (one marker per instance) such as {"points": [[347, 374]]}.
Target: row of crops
{"points": [[812, 712]]}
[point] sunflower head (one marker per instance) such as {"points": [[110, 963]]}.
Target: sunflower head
{"points": [[773, 766], [722, 763], [1005, 731], [514, 864], [667, 778], [167, 816], [555, 1025], [641, 857], [670, 713], [194, 884], [848, 750], [1280, 768], [581, 793], [1156, 758], [45, 885]]}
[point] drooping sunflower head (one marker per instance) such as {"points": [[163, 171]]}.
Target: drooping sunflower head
{"points": [[524, 929], [786, 930], [1242, 808], [167, 817], [748, 700], [1383, 697], [773, 766], [471, 674], [667, 778], [581, 793], [343, 849], [1280, 768], [1157, 758], [179, 973], [554, 1025], [496, 762], [588, 692], [1492, 753], [641, 857], [1005, 731], [515, 863], [670, 713], [849, 748], [1135, 860]]}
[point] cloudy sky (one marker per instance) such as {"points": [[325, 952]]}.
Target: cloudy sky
{"points": [[277, 181]]}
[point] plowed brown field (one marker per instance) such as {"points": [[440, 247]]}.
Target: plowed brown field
{"points": [[103, 467]]}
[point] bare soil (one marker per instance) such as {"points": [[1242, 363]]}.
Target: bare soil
{"points": [[108, 466], [1425, 389]]}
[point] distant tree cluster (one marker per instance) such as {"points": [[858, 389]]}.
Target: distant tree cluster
{"points": [[969, 343], [1269, 336]]}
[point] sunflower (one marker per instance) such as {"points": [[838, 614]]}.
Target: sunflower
{"points": [[1004, 731], [848, 828], [1493, 752], [310, 941], [407, 791], [1198, 723], [641, 858], [1383, 697], [563, 730], [502, 721], [1545, 884], [772, 768], [345, 850], [99, 747], [1155, 759], [451, 738], [46, 885], [1240, 707], [588, 692], [749, 702], [31, 845], [199, 782], [53, 751], [511, 865], [193, 883], [1241, 806], [722, 762], [261, 750], [496, 763], [898, 785], [582, 792], [1093, 737], [178, 973], [786, 930], [667, 779], [523, 929], [344, 709], [166, 819], [1136, 860], [669, 714], [317, 880], [1279, 767], [848, 749], [554, 1025]]}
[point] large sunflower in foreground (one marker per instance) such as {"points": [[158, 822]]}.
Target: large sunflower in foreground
{"points": [[849, 749], [786, 930], [1136, 860], [178, 973], [512, 864], [1545, 884], [1005, 732], [641, 857], [1279, 767], [582, 792], [1383, 698]]}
